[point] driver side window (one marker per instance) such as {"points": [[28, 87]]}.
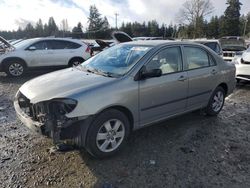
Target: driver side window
{"points": [[169, 60], [40, 45]]}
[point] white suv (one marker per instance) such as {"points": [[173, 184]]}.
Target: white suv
{"points": [[40, 53], [242, 64]]}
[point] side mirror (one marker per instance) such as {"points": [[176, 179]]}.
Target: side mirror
{"points": [[151, 73], [32, 48]]}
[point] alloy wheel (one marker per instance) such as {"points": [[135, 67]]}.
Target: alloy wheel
{"points": [[110, 135], [16, 69], [218, 101]]}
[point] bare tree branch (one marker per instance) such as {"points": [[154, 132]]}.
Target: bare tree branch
{"points": [[193, 10]]}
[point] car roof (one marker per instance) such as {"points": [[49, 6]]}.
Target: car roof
{"points": [[161, 42], [202, 40]]}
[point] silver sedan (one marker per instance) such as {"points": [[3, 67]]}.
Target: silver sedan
{"points": [[124, 88]]}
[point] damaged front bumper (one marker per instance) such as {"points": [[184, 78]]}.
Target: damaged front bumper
{"points": [[26, 120], [45, 118]]}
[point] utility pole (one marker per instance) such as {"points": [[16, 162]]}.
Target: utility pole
{"points": [[245, 27], [116, 15]]}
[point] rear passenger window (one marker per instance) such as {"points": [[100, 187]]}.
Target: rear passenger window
{"points": [[169, 60], [72, 45], [196, 58], [60, 44]]}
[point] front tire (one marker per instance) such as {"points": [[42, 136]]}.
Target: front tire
{"points": [[15, 68], [216, 102], [107, 134]]}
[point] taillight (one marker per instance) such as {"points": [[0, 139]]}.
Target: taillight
{"points": [[88, 49]]}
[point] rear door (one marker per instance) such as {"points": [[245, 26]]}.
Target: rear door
{"points": [[163, 96], [63, 51], [202, 73]]}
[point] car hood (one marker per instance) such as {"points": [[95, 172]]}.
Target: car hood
{"points": [[121, 37], [102, 43], [61, 84], [5, 42]]}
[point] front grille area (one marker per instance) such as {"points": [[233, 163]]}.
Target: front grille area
{"points": [[228, 54], [34, 111]]}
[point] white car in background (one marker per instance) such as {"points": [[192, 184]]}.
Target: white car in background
{"points": [[242, 64], [41, 53]]}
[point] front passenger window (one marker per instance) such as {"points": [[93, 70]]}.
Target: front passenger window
{"points": [[169, 60], [40, 45]]}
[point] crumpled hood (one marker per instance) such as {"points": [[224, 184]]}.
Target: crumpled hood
{"points": [[61, 84]]}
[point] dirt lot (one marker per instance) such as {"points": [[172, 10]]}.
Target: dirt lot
{"points": [[189, 151]]}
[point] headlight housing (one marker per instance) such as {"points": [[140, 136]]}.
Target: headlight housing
{"points": [[63, 105]]}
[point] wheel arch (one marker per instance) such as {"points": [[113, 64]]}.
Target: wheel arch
{"points": [[8, 59], [124, 110], [73, 58], [225, 87]]}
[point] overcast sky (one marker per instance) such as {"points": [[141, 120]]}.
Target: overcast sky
{"points": [[15, 13]]}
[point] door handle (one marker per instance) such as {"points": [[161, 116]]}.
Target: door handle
{"points": [[182, 78], [213, 72]]}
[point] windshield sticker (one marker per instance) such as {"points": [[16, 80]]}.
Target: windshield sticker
{"points": [[139, 48]]}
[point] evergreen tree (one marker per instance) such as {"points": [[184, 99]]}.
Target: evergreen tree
{"points": [[29, 31], [248, 25], [96, 24], [52, 27], [77, 31], [94, 19], [39, 28], [231, 22], [213, 27]]}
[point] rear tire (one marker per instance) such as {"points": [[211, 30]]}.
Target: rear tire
{"points": [[14, 68], [75, 62], [216, 102], [107, 134]]}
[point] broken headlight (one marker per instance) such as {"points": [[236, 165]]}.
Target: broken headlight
{"points": [[64, 106]]}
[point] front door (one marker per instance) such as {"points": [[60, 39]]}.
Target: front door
{"points": [[163, 96], [41, 56]]}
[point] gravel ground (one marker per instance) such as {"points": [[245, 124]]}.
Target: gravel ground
{"points": [[188, 151]]}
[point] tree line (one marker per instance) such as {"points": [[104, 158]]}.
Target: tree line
{"points": [[192, 24]]}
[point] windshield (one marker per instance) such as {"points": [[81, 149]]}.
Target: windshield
{"points": [[23, 43], [116, 61], [212, 45]]}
